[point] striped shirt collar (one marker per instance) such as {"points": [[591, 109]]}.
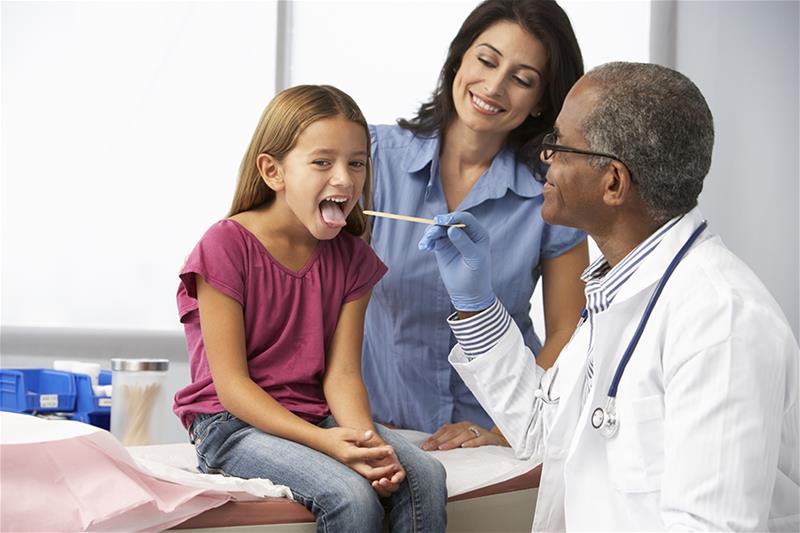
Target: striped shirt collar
{"points": [[603, 282]]}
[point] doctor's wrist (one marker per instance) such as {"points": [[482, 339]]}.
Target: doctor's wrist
{"points": [[475, 304], [480, 332]]}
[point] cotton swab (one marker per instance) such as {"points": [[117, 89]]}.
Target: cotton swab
{"points": [[139, 402], [418, 220]]}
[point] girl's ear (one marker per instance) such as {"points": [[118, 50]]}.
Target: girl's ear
{"points": [[270, 170]]}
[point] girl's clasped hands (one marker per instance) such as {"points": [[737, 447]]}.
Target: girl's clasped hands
{"points": [[368, 455]]}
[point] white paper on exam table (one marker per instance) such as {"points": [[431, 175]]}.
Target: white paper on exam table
{"points": [[178, 463], [469, 469]]}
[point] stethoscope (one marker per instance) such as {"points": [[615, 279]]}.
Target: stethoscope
{"points": [[604, 419]]}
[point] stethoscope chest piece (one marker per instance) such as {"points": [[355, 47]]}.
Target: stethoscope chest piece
{"points": [[605, 420]]}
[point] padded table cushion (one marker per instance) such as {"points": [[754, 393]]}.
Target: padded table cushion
{"points": [[283, 511]]}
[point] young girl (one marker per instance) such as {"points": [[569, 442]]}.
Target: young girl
{"points": [[272, 300]]}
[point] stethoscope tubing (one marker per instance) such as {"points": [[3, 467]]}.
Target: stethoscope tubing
{"points": [[612, 389], [608, 419], [604, 419]]}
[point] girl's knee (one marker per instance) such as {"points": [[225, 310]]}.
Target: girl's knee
{"points": [[350, 506], [436, 476], [429, 469], [366, 504]]}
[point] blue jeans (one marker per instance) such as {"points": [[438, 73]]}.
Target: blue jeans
{"points": [[341, 499]]}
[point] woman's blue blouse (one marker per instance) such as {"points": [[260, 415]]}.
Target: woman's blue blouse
{"points": [[406, 336]]}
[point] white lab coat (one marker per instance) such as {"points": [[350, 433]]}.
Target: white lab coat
{"points": [[707, 406]]}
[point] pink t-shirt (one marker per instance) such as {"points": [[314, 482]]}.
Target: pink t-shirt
{"points": [[289, 317]]}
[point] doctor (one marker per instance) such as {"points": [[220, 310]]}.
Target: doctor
{"points": [[689, 424]]}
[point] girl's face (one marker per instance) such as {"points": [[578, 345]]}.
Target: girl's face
{"points": [[323, 175], [499, 82]]}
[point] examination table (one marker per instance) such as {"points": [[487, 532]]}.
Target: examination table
{"points": [[490, 491]]}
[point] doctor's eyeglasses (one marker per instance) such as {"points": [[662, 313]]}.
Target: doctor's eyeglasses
{"points": [[550, 147]]}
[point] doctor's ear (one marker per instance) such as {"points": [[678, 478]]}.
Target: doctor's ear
{"points": [[270, 170], [617, 184]]}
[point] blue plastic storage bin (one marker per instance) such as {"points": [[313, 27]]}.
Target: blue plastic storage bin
{"points": [[90, 408], [37, 390]]}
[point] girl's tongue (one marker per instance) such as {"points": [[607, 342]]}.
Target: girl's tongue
{"points": [[332, 214]]}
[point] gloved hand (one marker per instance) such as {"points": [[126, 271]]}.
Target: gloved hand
{"points": [[463, 255]]}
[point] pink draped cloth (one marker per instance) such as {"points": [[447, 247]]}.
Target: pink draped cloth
{"points": [[68, 476]]}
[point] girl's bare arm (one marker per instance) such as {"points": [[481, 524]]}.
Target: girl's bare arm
{"points": [[343, 386]]}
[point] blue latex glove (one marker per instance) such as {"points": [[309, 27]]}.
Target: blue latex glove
{"points": [[463, 255]]}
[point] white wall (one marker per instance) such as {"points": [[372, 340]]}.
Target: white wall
{"points": [[744, 56], [385, 54], [123, 127]]}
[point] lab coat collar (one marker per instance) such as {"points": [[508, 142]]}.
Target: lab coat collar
{"points": [[653, 266]]}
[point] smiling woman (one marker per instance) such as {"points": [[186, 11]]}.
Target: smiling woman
{"points": [[483, 99], [472, 147]]}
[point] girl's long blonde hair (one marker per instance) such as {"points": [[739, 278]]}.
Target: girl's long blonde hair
{"points": [[284, 119]]}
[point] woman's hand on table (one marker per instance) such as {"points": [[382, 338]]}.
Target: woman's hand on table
{"points": [[463, 435]]}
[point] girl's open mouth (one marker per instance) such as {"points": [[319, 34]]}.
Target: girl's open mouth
{"points": [[332, 211]]}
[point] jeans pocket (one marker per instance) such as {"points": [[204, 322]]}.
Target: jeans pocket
{"points": [[210, 440], [203, 423]]}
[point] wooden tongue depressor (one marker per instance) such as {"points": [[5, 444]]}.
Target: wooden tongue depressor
{"points": [[418, 220]]}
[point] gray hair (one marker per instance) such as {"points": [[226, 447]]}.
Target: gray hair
{"points": [[658, 123]]}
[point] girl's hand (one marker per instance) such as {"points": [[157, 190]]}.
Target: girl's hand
{"points": [[384, 486], [465, 435], [375, 463]]}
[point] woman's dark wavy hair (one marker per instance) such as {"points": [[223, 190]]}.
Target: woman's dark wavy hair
{"points": [[545, 20]]}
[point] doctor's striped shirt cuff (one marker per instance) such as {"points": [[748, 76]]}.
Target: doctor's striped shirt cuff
{"points": [[478, 334]]}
